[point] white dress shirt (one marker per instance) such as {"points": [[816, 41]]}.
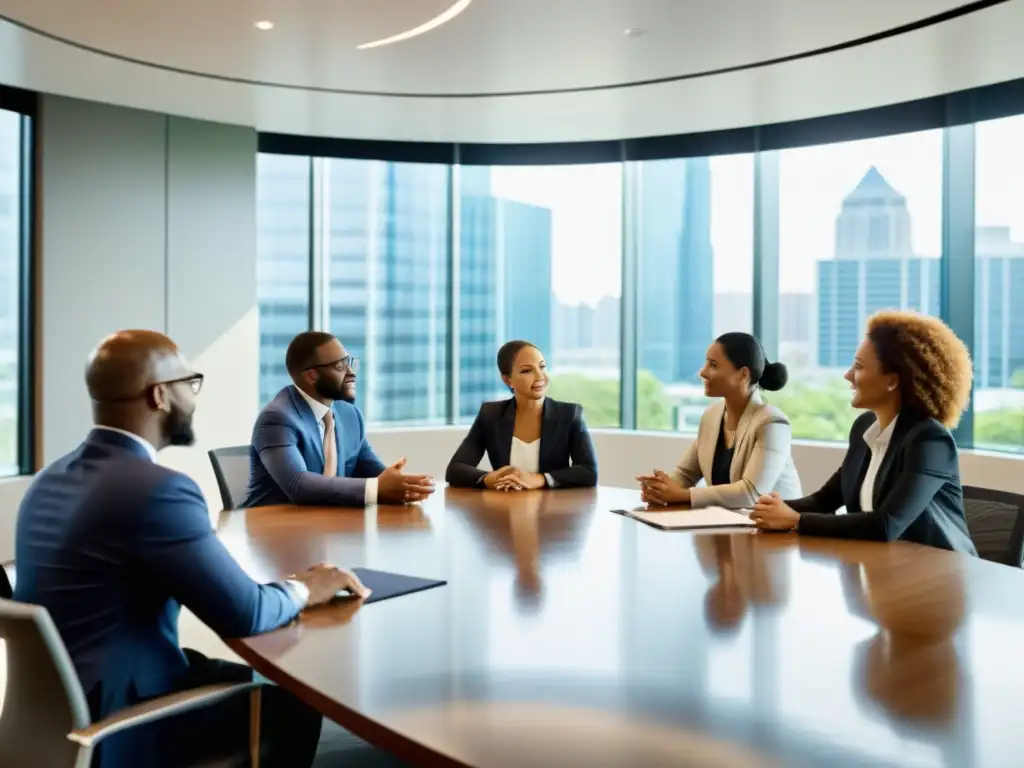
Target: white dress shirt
{"points": [[298, 591], [319, 411], [878, 443], [526, 458]]}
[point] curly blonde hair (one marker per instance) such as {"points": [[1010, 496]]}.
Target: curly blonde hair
{"points": [[933, 365]]}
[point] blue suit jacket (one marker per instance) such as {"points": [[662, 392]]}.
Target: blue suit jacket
{"points": [[286, 456], [112, 544]]}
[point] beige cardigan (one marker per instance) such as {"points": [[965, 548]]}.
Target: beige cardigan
{"points": [[761, 459]]}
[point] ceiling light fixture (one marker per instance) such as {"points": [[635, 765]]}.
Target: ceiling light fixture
{"points": [[634, 32], [264, 25], [442, 18]]}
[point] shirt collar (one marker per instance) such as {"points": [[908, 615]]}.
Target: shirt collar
{"points": [[319, 409], [140, 440], [877, 437]]}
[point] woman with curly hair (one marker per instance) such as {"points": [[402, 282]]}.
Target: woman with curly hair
{"points": [[900, 478]]}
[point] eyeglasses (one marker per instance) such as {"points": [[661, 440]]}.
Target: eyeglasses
{"points": [[347, 363], [194, 380]]}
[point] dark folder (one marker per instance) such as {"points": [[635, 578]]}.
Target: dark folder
{"points": [[385, 585]]}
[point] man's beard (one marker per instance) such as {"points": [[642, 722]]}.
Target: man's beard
{"points": [[178, 428], [329, 390]]}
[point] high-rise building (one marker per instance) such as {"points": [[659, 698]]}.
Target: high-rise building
{"points": [[998, 330], [676, 297], [875, 268], [283, 248], [388, 277]]}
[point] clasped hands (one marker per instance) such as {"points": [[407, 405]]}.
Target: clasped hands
{"points": [[395, 487], [512, 479], [661, 490], [771, 513]]}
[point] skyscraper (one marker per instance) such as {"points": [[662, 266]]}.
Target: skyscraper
{"points": [[875, 268], [998, 330], [676, 299], [387, 273]]}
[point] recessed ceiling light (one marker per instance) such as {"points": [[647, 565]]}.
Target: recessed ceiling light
{"points": [[264, 25], [445, 16], [634, 32]]}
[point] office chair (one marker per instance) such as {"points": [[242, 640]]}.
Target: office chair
{"points": [[995, 520], [231, 468], [45, 718]]}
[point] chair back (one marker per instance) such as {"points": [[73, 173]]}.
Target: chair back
{"points": [[995, 520], [231, 468], [44, 700]]}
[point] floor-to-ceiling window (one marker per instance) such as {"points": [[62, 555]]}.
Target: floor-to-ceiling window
{"points": [[860, 230], [999, 285], [12, 264]]}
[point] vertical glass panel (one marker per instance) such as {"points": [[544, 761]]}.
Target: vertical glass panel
{"points": [[282, 262], [541, 260], [387, 271], [695, 219], [10, 282], [860, 230], [999, 285]]}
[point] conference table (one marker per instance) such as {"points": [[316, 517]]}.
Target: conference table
{"points": [[568, 635]]}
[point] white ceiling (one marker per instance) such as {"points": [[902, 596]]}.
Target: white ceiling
{"points": [[476, 77]]}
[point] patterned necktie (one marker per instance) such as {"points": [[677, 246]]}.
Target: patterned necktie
{"points": [[330, 447]]}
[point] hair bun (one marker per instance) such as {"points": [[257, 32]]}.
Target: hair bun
{"points": [[774, 377]]}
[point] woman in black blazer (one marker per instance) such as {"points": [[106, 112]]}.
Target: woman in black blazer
{"points": [[900, 478], [531, 440]]}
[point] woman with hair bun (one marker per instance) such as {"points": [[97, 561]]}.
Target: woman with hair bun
{"points": [[742, 448], [900, 478]]}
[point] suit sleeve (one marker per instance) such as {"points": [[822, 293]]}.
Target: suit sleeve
{"points": [[687, 472], [176, 546], [825, 501], [278, 448], [930, 463], [582, 472], [463, 470], [767, 461], [368, 464]]}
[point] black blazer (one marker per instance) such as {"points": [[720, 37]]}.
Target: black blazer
{"points": [[917, 493], [566, 451]]}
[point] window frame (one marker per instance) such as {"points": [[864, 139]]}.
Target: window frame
{"points": [[24, 104], [956, 113]]}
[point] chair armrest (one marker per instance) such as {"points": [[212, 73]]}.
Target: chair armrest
{"points": [[157, 709]]}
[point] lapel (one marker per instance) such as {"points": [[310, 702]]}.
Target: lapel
{"points": [[904, 422], [549, 424], [706, 447], [742, 428], [506, 426], [310, 423]]}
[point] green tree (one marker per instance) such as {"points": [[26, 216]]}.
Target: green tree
{"points": [[820, 412], [600, 399]]}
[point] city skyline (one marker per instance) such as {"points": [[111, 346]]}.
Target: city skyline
{"points": [[586, 205]]}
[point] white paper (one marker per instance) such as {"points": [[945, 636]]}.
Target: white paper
{"points": [[707, 517]]}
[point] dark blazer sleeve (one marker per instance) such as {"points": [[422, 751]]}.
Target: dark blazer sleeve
{"points": [[176, 546], [463, 470], [583, 471], [825, 501], [929, 462]]}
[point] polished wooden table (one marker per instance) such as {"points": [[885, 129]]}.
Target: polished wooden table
{"points": [[569, 636]]}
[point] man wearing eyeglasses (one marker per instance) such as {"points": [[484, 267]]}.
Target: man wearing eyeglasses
{"points": [[309, 444], [112, 544]]}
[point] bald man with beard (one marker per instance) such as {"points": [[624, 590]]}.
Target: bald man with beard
{"points": [[112, 544]]}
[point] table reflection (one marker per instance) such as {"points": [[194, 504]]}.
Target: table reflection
{"points": [[740, 575]]}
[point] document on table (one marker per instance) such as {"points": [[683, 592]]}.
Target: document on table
{"points": [[706, 517]]}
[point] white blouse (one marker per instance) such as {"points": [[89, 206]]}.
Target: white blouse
{"points": [[878, 443], [525, 456]]}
